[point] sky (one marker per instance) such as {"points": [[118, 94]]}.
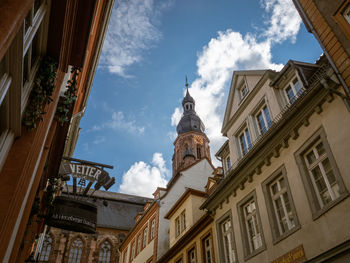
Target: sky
{"points": [[150, 46]]}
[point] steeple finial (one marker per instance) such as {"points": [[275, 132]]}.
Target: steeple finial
{"points": [[186, 83]]}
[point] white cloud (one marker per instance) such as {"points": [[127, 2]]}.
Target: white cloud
{"points": [[118, 122], [284, 22], [132, 30], [143, 179], [231, 51]]}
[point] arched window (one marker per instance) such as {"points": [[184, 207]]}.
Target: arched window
{"points": [[105, 252], [75, 252], [46, 249]]}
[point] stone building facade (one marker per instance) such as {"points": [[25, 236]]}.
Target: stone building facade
{"points": [[285, 195]]}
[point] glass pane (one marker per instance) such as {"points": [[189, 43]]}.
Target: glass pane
{"points": [[321, 185], [311, 157], [2, 67], [37, 4], [320, 149], [290, 94], [25, 67], [35, 49], [261, 123], [267, 116], [297, 86], [27, 21], [331, 178], [282, 182], [274, 188], [243, 144], [248, 139]]}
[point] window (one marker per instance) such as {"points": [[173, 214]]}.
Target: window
{"points": [[6, 135], [180, 223], [207, 246], [243, 91], [191, 255], [183, 220], [227, 247], [46, 249], [153, 227], [124, 255], [75, 252], [245, 141], [105, 252], [177, 227], [228, 163], [293, 90], [199, 155], [139, 238], [133, 250], [324, 185], [263, 120], [280, 205], [33, 39], [144, 243], [179, 260], [250, 226]]}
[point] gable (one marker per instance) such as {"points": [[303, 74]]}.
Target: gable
{"points": [[250, 78]]}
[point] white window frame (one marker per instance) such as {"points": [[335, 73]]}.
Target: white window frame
{"points": [[139, 241], [243, 90], [318, 163], [264, 118], [144, 243], [311, 191], [183, 221], [208, 249], [296, 93], [227, 244], [253, 243], [241, 141], [228, 162], [6, 134], [153, 228], [282, 193], [36, 26]]}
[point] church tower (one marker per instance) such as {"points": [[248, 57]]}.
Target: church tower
{"points": [[191, 143]]}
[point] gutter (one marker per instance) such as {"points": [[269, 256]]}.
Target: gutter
{"points": [[331, 62]]}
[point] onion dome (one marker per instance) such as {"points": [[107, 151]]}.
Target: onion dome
{"points": [[189, 120]]}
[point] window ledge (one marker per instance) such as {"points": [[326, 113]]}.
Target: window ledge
{"points": [[255, 252], [285, 235], [325, 209]]}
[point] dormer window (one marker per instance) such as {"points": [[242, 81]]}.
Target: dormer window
{"points": [[243, 91], [293, 90]]}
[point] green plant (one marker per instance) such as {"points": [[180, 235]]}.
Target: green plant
{"points": [[66, 103], [43, 86]]}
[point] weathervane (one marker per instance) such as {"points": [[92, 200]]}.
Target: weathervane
{"points": [[186, 83]]}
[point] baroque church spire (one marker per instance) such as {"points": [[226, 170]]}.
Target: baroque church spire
{"points": [[191, 144]]}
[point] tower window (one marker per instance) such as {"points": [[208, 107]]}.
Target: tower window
{"points": [[199, 155]]}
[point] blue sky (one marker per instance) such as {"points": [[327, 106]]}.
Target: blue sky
{"points": [[135, 102]]}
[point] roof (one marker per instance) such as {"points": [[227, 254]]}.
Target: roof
{"points": [[116, 210]]}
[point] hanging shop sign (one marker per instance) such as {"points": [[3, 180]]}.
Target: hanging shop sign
{"points": [[75, 210], [73, 215]]}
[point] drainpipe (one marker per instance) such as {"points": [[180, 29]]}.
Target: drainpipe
{"points": [[340, 78]]}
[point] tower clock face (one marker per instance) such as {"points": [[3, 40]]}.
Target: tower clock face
{"points": [[198, 139]]}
